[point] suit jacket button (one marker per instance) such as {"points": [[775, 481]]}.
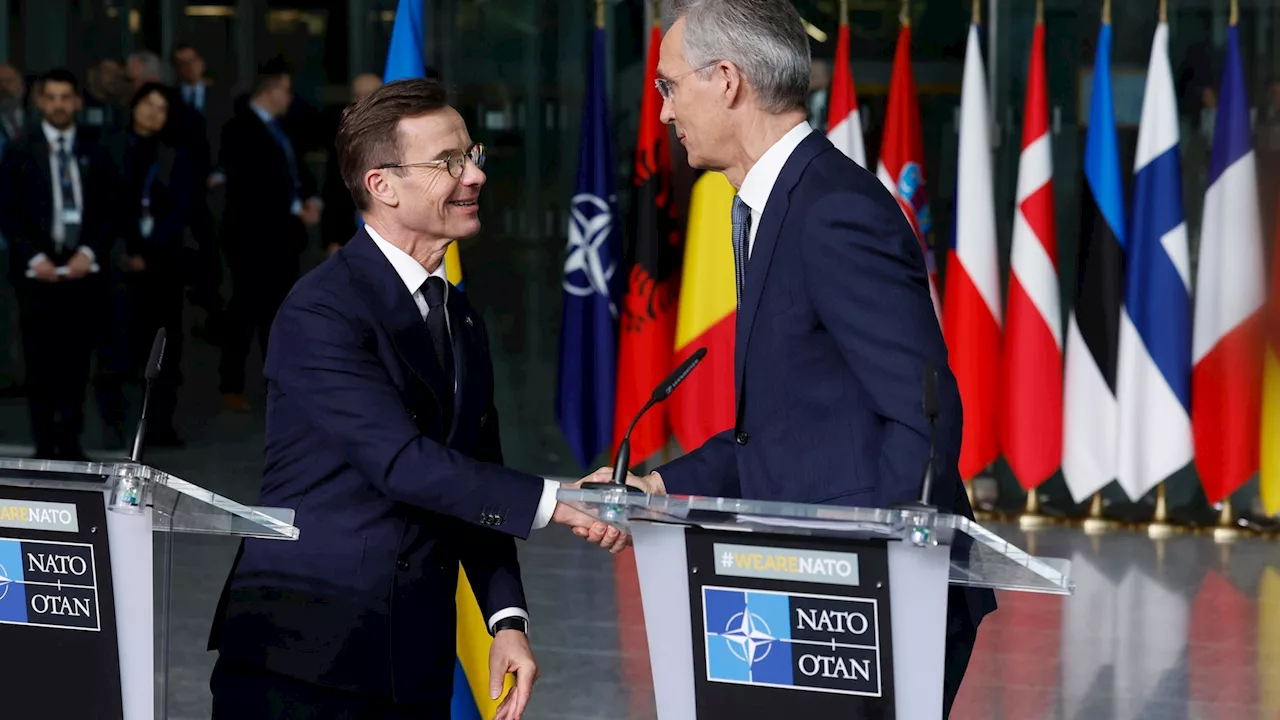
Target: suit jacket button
{"points": [[402, 564], [742, 437]]}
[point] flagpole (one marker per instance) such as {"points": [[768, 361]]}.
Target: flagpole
{"points": [[1096, 524], [600, 14], [1039, 12], [1106, 12], [1164, 11], [1032, 518], [844, 12], [904, 16], [657, 13], [1235, 13], [977, 12]]}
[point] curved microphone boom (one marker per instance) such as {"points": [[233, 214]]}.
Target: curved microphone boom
{"points": [[622, 461], [152, 372], [931, 414]]}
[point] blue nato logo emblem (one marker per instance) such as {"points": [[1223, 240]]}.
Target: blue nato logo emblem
{"points": [[797, 641], [13, 600], [746, 636]]}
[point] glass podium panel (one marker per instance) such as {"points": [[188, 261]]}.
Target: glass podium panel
{"points": [[180, 506], [979, 557]]}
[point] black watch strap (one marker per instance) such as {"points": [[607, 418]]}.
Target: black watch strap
{"points": [[515, 622]]}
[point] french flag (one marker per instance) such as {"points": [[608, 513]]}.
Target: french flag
{"points": [[971, 310], [844, 122], [1226, 379], [1153, 377], [1031, 422]]}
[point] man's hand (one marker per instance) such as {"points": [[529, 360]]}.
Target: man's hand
{"points": [[137, 263], [311, 212], [651, 483], [45, 271], [510, 654], [584, 526], [78, 266]]}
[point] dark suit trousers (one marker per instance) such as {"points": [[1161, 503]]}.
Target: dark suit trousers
{"points": [[60, 325], [244, 692], [958, 651], [259, 284]]}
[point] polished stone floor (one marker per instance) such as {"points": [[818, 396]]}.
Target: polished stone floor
{"points": [[1182, 629]]}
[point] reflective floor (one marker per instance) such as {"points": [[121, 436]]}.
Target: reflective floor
{"points": [[1182, 629]]}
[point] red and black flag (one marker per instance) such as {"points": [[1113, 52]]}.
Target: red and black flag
{"points": [[652, 258]]}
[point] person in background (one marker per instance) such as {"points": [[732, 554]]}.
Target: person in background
{"points": [[341, 218], [213, 104], [271, 199], [56, 189], [104, 92], [156, 174]]}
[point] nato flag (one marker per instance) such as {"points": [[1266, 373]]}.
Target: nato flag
{"points": [[589, 330]]}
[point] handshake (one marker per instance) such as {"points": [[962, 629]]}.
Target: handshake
{"points": [[592, 530]]}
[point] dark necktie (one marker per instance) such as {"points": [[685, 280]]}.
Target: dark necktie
{"points": [[437, 325], [70, 231], [283, 139], [741, 237]]}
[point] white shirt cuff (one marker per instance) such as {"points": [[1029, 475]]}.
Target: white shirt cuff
{"points": [[39, 258], [506, 613], [88, 252], [547, 505]]}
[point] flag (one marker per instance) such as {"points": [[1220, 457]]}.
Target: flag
{"points": [[1153, 373], [405, 60], [1269, 474], [1031, 420], [471, 673], [588, 332], [1089, 381], [1226, 378], [646, 338], [901, 163], [971, 315], [844, 121], [708, 301]]}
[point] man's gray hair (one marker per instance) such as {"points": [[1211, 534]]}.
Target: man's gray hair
{"points": [[764, 38], [150, 62]]}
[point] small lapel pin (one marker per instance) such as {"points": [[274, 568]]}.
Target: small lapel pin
{"points": [[468, 321]]}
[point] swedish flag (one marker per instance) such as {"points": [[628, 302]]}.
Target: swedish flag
{"points": [[471, 679]]}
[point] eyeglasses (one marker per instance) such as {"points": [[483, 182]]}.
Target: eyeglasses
{"points": [[667, 86], [454, 162]]}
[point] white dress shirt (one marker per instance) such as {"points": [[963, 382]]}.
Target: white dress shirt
{"points": [[57, 230], [758, 183], [414, 277]]}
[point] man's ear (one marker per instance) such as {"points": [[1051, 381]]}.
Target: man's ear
{"points": [[730, 81], [380, 188]]}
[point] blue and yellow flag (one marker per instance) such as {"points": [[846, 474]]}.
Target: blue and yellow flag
{"points": [[405, 60], [471, 677]]}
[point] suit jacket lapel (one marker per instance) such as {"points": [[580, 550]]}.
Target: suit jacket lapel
{"points": [[380, 284], [765, 242]]}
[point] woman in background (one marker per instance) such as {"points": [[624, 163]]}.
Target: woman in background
{"points": [[157, 182]]}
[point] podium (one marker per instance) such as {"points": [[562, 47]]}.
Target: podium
{"points": [[773, 609], [85, 592]]}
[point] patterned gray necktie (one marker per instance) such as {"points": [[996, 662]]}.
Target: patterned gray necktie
{"points": [[741, 235]]}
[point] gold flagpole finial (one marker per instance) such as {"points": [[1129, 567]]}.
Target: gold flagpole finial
{"points": [[1106, 12], [600, 14], [904, 17], [844, 12], [1039, 12], [1235, 12], [977, 12], [1164, 11]]}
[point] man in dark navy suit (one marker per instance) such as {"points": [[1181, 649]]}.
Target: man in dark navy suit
{"points": [[55, 199], [835, 322], [383, 438]]}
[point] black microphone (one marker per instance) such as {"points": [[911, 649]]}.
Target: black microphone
{"points": [[622, 461], [151, 373], [931, 413]]}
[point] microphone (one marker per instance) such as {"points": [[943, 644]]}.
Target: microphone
{"points": [[931, 413], [153, 370], [622, 461]]}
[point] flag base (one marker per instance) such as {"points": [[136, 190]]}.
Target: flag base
{"points": [[1160, 528], [1096, 524], [1031, 518], [1227, 530]]}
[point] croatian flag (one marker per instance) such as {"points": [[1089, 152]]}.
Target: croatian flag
{"points": [[1226, 381], [971, 311], [1153, 377]]}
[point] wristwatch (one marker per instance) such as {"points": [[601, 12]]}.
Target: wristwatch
{"points": [[515, 622]]}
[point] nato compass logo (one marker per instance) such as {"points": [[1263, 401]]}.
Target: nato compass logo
{"points": [[589, 267], [13, 599], [812, 643]]}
